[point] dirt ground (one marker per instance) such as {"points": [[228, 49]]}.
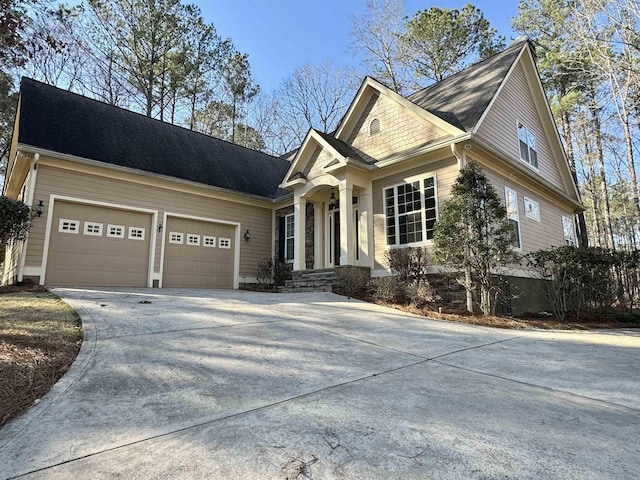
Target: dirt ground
{"points": [[40, 336]]}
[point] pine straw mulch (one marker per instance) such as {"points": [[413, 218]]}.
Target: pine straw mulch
{"points": [[528, 320], [40, 337]]}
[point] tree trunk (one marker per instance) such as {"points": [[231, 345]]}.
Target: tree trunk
{"points": [[468, 287], [581, 224], [604, 187]]}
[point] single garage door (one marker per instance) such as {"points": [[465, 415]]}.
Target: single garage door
{"points": [[98, 246], [198, 254]]}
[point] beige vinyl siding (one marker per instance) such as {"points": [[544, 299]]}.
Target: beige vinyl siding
{"points": [[534, 235], [446, 172], [65, 182], [399, 130], [500, 127]]}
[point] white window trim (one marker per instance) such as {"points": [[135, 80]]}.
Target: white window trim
{"points": [[527, 163], [291, 239], [133, 229], [193, 239], [526, 213], [179, 235], [419, 178], [115, 235], [224, 243], [515, 217], [208, 237], [74, 223], [94, 225], [573, 231]]}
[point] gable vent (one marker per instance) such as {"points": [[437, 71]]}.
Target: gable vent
{"points": [[374, 126]]}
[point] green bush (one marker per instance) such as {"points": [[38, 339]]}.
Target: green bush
{"points": [[628, 317], [15, 220]]}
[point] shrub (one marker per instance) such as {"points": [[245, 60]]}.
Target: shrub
{"points": [[15, 220], [408, 264], [385, 289], [271, 272], [419, 294], [628, 317], [352, 281]]}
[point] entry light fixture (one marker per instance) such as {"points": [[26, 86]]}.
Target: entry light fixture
{"points": [[160, 227], [332, 200], [39, 208], [247, 235]]}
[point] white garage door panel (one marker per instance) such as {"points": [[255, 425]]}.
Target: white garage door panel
{"points": [[97, 260], [198, 266]]}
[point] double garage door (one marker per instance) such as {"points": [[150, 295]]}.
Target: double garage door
{"points": [[98, 246]]}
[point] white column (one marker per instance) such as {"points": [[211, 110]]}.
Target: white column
{"points": [[318, 216], [347, 253], [366, 228], [299, 217]]}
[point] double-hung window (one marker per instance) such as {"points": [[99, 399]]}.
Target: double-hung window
{"points": [[410, 211], [289, 234], [511, 204], [568, 231], [527, 142]]}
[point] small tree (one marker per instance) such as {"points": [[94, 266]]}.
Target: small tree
{"points": [[15, 219], [474, 234]]}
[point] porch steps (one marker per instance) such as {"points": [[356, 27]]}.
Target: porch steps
{"points": [[309, 281]]}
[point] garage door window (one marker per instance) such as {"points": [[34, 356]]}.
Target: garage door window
{"points": [[224, 243], [115, 231], [175, 237], [193, 239], [136, 233], [208, 241], [92, 228], [68, 226]]}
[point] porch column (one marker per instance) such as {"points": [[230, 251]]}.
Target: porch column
{"points": [[366, 228], [299, 217], [347, 251], [318, 217]]}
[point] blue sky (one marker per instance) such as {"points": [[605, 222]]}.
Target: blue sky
{"points": [[280, 35]]}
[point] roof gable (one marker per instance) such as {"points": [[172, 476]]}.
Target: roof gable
{"points": [[63, 122]]}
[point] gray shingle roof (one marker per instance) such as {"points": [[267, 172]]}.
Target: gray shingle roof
{"points": [[64, 122], [341, 147], [462, 98]]}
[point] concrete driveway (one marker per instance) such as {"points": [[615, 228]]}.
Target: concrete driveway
{"points": [[232, 384]]}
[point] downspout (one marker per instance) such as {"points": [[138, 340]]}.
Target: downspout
{"points": [[32, 191]]}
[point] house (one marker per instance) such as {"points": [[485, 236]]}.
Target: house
{"points": [[130, 201]]}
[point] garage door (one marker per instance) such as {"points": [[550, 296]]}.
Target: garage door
{"points": [[198, 254], [98, 246]]}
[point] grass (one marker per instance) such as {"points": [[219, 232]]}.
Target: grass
{"points": [[40, 336]]}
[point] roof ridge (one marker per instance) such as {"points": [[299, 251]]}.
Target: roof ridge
{"points": [[473, 65], [142, 115]]}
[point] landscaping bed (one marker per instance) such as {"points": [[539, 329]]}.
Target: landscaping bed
{"points": [[40, 337]]}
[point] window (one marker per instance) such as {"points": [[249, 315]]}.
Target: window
{"points": [[374, 127], [193, 239], [91, 228], [68, 226], [208, 241], [527, 141], [511, 204], [410, 211], [532, 209], [115, 231], [224, 242], [568, 231], [136, 233], [175, 237], [289, 233]]}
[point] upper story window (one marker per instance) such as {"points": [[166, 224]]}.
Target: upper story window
{"points": [[410, 211], [568, 231], [511, 204], [528, 149], [374, 126]]}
